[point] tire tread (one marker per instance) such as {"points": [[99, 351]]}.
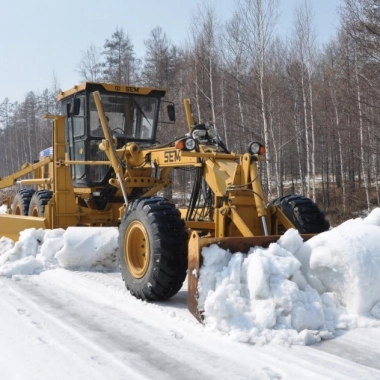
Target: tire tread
{"points": [[303, 213], [168, 249]]}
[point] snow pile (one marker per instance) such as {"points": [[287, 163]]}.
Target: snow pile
{"points": [[77, 247], [90, 247], [295, 292]]}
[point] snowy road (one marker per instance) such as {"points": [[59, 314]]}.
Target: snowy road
{"points": [[84, 325]]}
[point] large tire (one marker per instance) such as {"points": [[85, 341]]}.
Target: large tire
{"points": [[153, 249], [38, 202], [303, 213], [21, 201]]}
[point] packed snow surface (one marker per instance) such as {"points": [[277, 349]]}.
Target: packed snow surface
{"points": [[293, 292]]}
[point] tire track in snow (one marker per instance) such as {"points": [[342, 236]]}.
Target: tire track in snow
{"points": [[34, 310], [121, 336], [159, 343]]}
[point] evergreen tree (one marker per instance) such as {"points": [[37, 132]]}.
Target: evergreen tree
{"points": [[120, 64], [160, 60]]}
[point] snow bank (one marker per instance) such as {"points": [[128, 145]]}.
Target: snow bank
{"points": [[77, 247], [295, 292], [91, 247]]}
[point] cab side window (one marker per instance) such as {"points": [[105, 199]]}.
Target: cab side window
{"points": [[78, 120]]}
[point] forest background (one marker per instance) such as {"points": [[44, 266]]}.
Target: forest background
{"points": [[315, 108]]}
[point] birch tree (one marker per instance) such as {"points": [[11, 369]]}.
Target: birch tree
{"points": [[258, 19], [361, 21], [4, 122], [236, 63], [361, 130], [205, 29], [304, 47], [332, 78]]}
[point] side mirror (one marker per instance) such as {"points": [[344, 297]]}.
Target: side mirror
{"points": [[73, 109], [76, 107], [171, 112]]}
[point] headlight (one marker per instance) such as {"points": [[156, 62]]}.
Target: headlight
{"points": [[190, 144], [256, 148], [185, 144]]}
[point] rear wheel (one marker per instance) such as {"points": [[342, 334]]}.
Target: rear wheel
{"points": [[153, 249], [303, 213], [38, 202], [21, 201]]}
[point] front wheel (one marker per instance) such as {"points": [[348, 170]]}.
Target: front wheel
{"points": [[303, 213], [21, 202], [153, 249], [38, 202]]}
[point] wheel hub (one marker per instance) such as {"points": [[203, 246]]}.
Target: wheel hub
{"points": [[35, 211], [17, 210], [137, 249]]}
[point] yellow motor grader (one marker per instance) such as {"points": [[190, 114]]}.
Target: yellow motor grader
{"points": [[105, 168]]}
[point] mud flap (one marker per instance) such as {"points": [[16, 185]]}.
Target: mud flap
{"points": [[233, 244]]}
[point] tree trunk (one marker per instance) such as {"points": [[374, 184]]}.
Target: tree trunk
{"points": [[361, 132]]}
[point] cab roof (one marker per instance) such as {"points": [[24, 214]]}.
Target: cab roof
{"points": [[109, 87]]}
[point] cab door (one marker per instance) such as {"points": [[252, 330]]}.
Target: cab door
{"points": [[76, 136]]}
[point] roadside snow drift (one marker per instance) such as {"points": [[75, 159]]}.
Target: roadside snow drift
{"points": [[77, 247], [294, 292]]}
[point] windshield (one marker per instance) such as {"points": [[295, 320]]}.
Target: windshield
{"points": [[132, 116]]}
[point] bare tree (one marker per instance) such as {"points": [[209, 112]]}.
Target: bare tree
{"points": [[304, 48], [332, 73], [4, 121], [258, 18], [205, 27], [90, 65], [361, 20], [236, 63], [361, 132], [362, 23]]}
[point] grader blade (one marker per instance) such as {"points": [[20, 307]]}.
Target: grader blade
{"points": [[233, 244], [12, 225]]}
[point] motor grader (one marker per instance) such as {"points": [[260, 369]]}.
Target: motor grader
{"points": [[105, 168]]}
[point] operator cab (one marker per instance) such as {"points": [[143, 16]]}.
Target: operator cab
{"points": [[132, 114]]}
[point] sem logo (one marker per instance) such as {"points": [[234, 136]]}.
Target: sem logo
{"points": [[132, 89], [171, 156]]}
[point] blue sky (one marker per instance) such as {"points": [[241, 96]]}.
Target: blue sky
{"points": [[41, 39]]}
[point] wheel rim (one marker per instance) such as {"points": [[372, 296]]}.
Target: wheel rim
{"points": [[17, 209], [136, 249], [35, 211]]}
